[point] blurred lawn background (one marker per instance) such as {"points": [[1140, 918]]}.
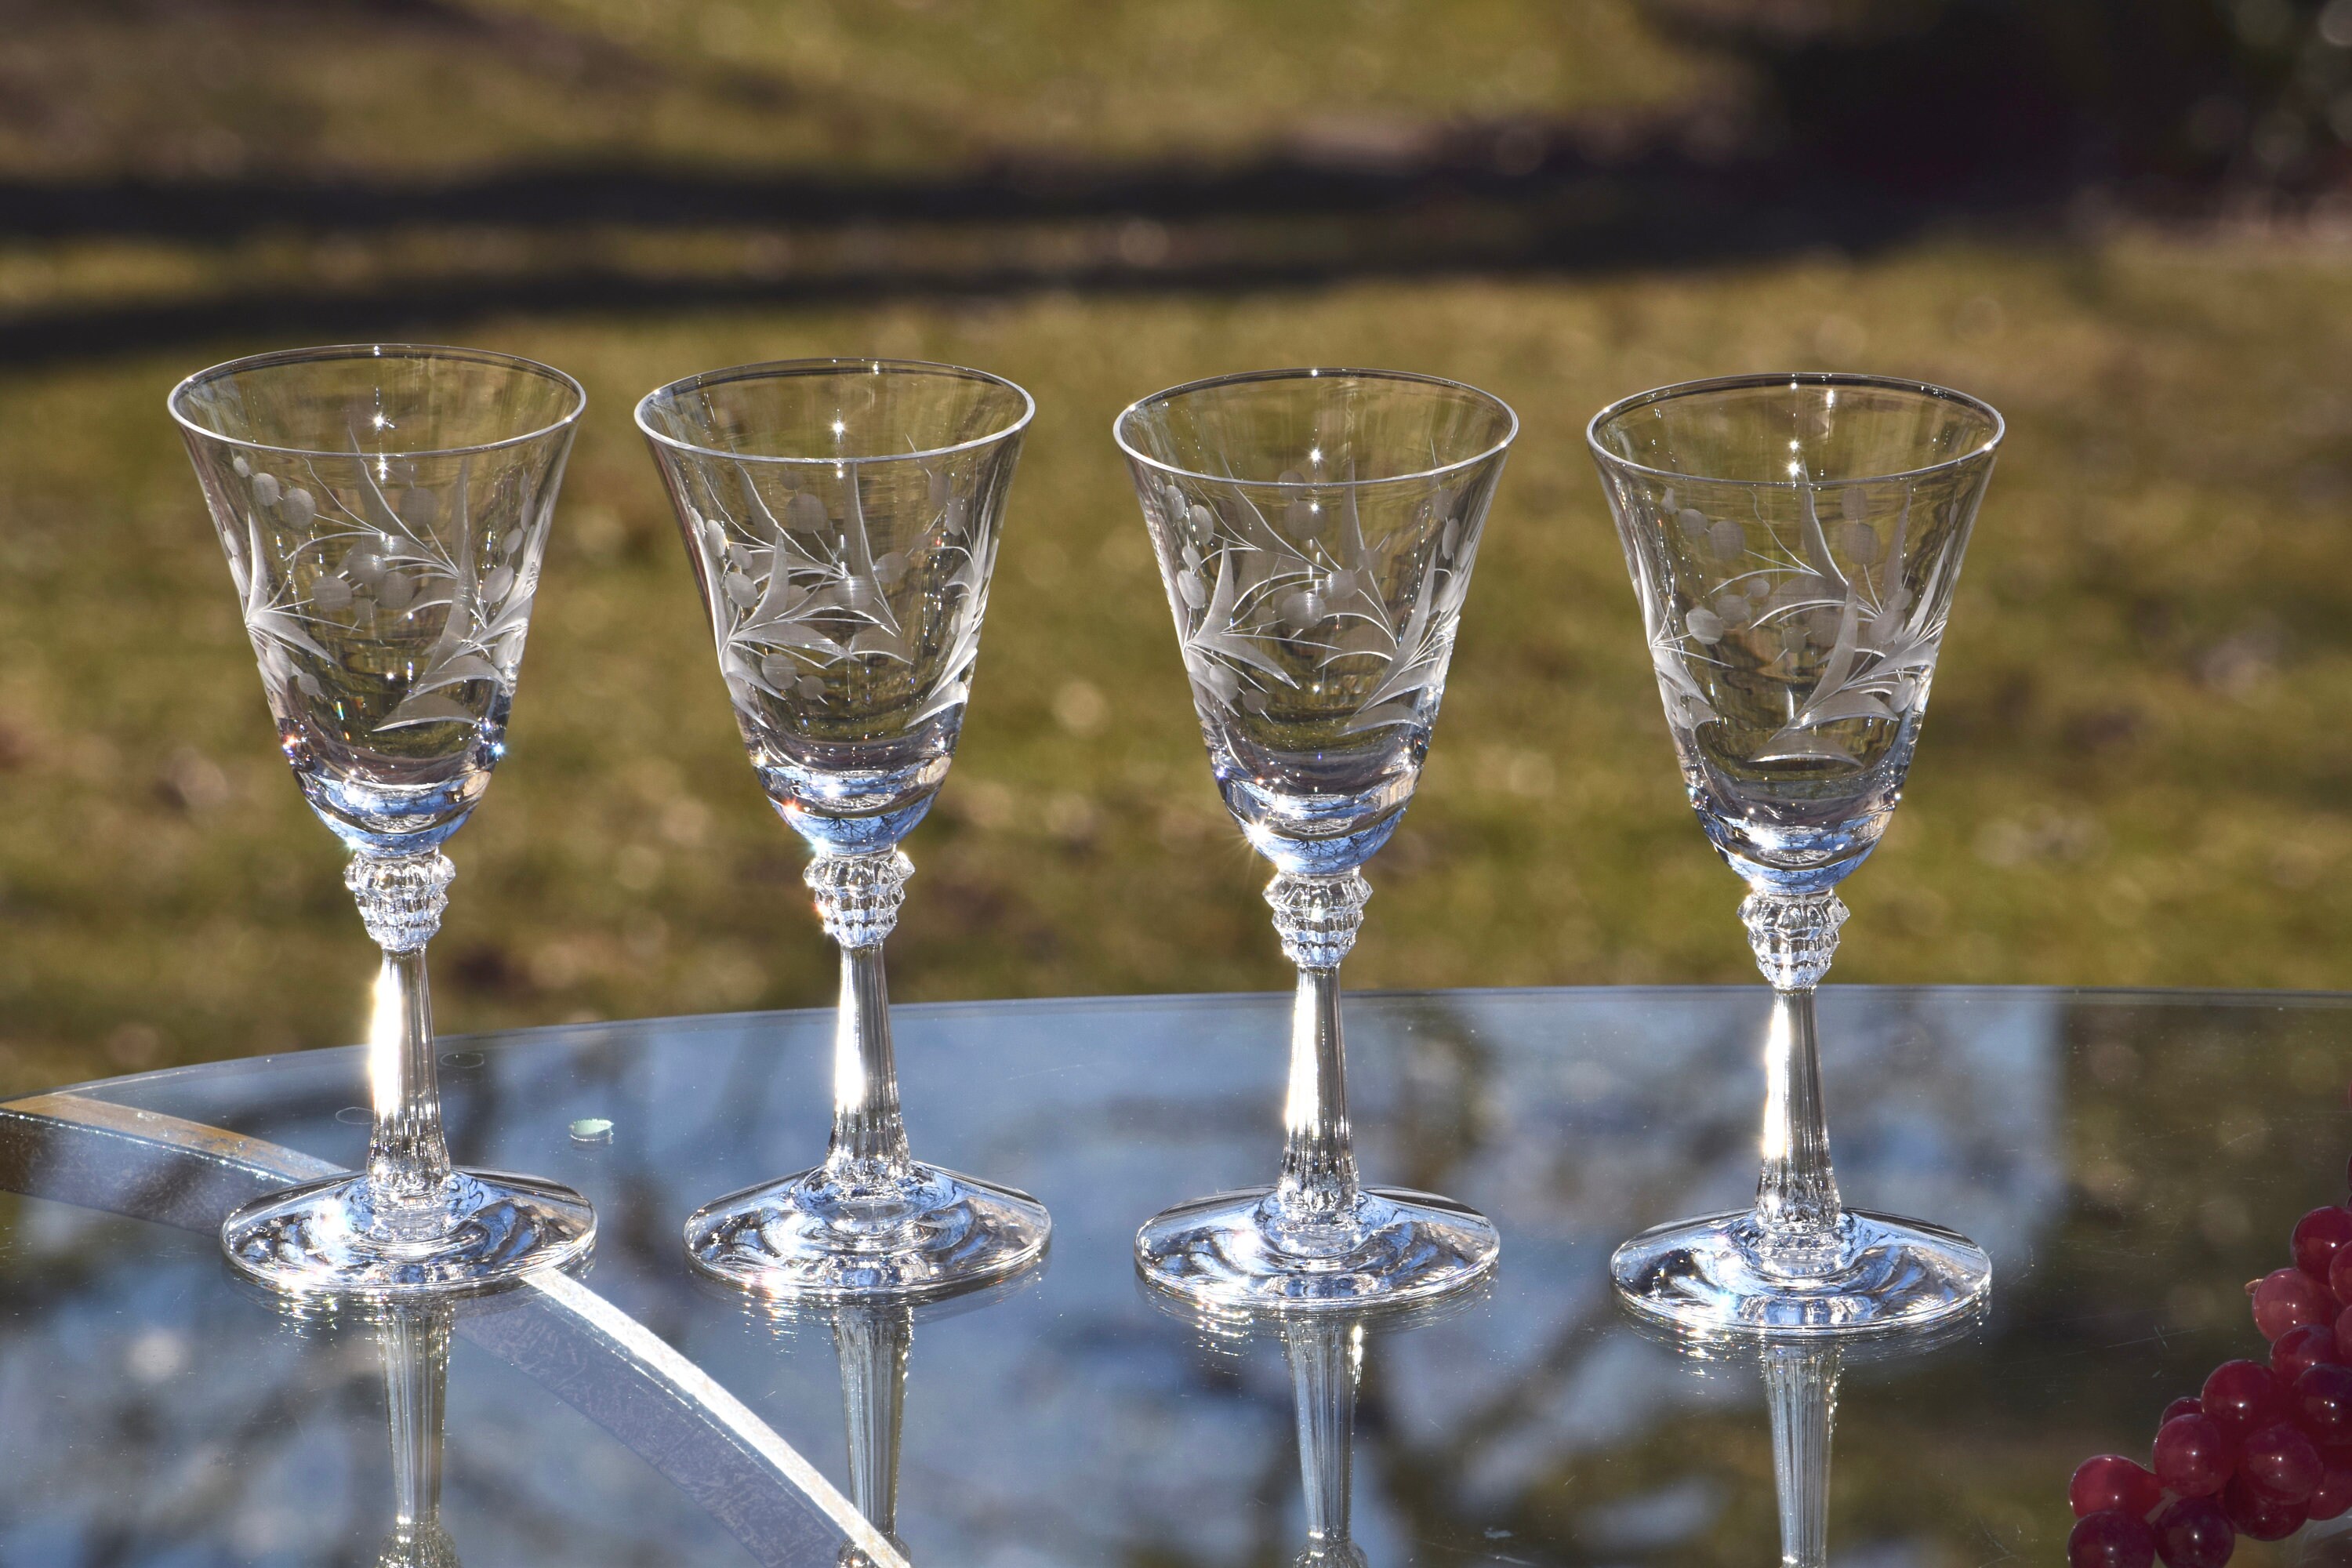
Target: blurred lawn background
{"points": [[2120, 223]]}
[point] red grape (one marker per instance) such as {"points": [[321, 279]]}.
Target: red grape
{"points": [[2241, 1395], [2257, 1513], [2280, 1463], [2298, 1349], [2195, 1534], [2193, 1456], [2288, 1299], [2321, 1404], [2339, 1273], [2334, 1493], [2317, 1236], [2110, 1481], [2111, 1539], [2185, 1405]]}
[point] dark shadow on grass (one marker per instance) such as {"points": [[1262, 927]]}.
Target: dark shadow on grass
{"points": [[1287, 223]]}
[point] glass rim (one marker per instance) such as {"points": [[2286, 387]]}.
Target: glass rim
{"points": [[775, 369], [1119, 426], [328, 352], [1926, 390]]}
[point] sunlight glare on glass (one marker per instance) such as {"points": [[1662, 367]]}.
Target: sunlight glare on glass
{"points": [[1779, 1046], [849, 1083], [384, 1028]]}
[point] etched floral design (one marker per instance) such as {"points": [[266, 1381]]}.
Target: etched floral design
{"points": [[1264, 608], [1780, 595], [796, 591], [325, 570]]}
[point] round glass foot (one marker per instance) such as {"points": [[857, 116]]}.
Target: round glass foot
{"points": [[1875, 1273], [486, 1228], [1231, 1251], [817, 1236]]}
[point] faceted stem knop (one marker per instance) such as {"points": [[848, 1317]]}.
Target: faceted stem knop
{"points": [[1318, 916], [858, 895], [401, 897], [1794, 936]]}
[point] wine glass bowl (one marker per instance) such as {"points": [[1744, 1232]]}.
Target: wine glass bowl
{"points": [[1794, 541], [1317, 563], [841, 516], [385, 510], [845, 578], [1316, 531]]}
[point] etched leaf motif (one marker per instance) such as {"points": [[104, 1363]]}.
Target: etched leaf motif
{"points": [[1687, 704], [1878, 660]]}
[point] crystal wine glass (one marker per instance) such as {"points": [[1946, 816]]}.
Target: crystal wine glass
{"points": [[1794, 540], [384, 508], [843, 517], [1316, 530]]}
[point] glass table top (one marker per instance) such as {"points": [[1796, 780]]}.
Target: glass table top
{"points": [[2128, 1159]]}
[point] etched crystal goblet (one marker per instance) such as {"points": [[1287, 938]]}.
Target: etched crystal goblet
{"points": [[1316, 530], [1794, 540], [841, 516], [384, 508]]}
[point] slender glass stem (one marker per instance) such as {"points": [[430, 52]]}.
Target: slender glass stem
{"points": [[401, 898], [858, 897], [1318, 1161], [1325, 1361], [1798, 1190], [1801, 1385], [1798, 1216], [871, 1344], [869, 1138], [1317, 918], [408, 1157], [416, 1348]]}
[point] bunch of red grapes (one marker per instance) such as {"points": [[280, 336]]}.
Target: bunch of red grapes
{"points": [[2260, 1451]]}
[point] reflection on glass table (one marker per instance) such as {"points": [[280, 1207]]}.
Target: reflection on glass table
{"points": [[2129, 1161], [872, 1343]]}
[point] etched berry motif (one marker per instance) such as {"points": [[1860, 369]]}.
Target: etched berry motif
{"points": [[340, 551], [800, 602], [1315, 609], [1851, 629]]}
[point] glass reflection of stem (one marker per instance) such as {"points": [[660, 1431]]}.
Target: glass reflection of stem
{"points": [[415, 1347], [401, 898], [1327, 1361], [1317, 918], [1801, 1382], [871, 1343], [858, 895], [1798, 1219]]}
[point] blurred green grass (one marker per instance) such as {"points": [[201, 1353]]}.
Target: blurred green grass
{"points": [[2132, 774], [166, 88]]}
